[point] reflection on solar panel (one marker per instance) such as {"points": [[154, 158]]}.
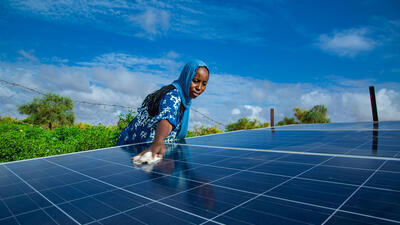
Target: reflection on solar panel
{"points": [[306, 174]]}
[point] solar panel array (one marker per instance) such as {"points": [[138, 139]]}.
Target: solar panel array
{"points": [[345, 173]]}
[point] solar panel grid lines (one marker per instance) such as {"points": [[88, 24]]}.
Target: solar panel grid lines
{"points": [[42, 197], [132, 192], [234, 168], [207, 176], [336, 130], [119, 214], [188, 190], [269, 190], [327, 165], [302, 178], [309, 151], [358, 188], [295, 152], [353, 126], [226, 187], [6, 209], [72, 153]]}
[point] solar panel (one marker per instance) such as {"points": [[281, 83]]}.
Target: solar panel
{"points": [[347, 173]]}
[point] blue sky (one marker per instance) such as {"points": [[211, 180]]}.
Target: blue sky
{"points": [[261, 54]]}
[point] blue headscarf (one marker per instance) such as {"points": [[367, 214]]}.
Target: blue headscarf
{"points": [[182, 84]]}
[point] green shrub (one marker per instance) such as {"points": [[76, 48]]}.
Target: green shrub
{"points": [[125, 119], [19, 140], [244, 124], [318, 114], [203, 131], [286, 121]]}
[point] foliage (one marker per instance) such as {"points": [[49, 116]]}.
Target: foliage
{"points": [[125, 119], [22, 140], [245, 123], [82, 126], [10, 119], [286, 121], [19, 140], [318, 114], [203, 131], [52, 111]]}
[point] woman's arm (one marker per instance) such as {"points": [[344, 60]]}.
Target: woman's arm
{"points": [[157, 146], [162, 132]]}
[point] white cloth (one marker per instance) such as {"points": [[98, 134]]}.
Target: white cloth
{"points": [[146, 158]]}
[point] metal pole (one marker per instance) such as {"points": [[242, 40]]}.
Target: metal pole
{"points": [[272, 117], [375, 119], [375, 139], [373, 103]]}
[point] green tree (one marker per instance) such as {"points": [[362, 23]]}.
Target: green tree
{"points": [[244, 124], [51, 110], [321, 109], [125, 119], [286, 121], [318, 114]]}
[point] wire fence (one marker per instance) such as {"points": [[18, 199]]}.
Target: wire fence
{"points": [[97, 104], [74, 100], [207, 117]]}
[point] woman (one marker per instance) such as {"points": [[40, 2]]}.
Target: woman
{"points": [[164, 114]]}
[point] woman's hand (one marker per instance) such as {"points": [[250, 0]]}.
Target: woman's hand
{"points": [[158, 147]]}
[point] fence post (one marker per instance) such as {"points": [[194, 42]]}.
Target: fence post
{"points": [[272, 117]]}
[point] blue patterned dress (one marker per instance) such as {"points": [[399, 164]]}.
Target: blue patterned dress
{"points": [[143, 127]]}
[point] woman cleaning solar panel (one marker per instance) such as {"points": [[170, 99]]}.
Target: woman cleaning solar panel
{"points": [[164, 114]]}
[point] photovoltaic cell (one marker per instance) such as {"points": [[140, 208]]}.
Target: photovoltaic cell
{"points": [[344, 173]]}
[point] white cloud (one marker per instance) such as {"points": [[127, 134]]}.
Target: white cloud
{"points": [[151, 19], [123, 79], [257, 93], [354, 105], [62, 77], [172, 55], [28, 55], [312, 98], [388, 104], [349, 83], [347, 100], [235, 111], [255, 111], [55, 60], [170, 62], [348, 43], [109, 79]]}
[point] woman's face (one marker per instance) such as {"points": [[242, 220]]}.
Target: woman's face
{"points": [[199, 82]]}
